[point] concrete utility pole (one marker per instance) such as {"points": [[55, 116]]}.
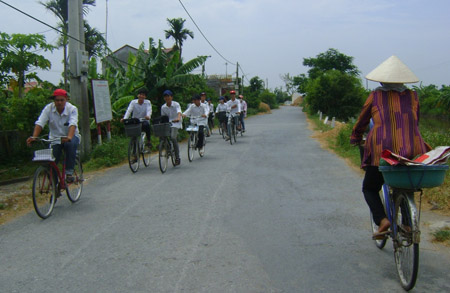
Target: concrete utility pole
{"points": [[236, 86], [78, 72]]}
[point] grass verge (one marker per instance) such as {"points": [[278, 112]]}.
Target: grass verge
{"points": [[338, 140]]}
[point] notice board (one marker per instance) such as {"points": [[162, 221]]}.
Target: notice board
{"points": [[102, 100]]}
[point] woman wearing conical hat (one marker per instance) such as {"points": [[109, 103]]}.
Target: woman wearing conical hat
{"points": [[394, 110]]}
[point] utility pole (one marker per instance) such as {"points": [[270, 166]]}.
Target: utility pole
{"points": [[242, 85], [236, 86], [78, 72], [226, 70]]}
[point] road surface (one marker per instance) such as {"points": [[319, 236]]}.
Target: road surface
{"points": [[272, 213]]}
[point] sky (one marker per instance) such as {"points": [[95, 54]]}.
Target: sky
{"points": [[268, 38]]}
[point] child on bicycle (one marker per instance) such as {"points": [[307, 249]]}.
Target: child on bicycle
{"points": [[141, 108], [197, 109], [394, 110], [234, 107], [172, 110], [62, 119]]}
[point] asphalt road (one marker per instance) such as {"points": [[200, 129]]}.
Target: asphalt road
{"points": [[272, 213]]}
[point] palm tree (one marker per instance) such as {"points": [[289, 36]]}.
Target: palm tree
{"points": [[178, 32], [60, 10], [94, 40]]}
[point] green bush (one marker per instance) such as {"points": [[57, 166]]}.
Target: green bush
{"points": [[109, 153]]}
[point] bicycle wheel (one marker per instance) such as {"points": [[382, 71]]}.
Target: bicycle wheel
{"points": [[163, 156], [146, 150], [44, 191], [171, 152], [191, 146], [230, 133], [201, 151], [382, 242], [406, 247], [74, 189], [133, 155], [234, 132], [220, 129]]}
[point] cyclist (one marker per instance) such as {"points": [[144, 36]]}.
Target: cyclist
{"points": [[211, 113], [141, 108], [172, 110], [221, 111], [394, 110], [197, 109], [204, 102], [234, 107], [62, 119], [243, 111]]}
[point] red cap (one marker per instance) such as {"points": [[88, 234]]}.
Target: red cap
{"points": [[232, 92], [59, 92]]}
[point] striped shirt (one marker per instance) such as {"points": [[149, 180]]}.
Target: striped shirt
{"points": [[396, 126]]}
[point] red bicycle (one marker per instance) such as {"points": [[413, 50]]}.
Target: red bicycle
{"points": [[49, 181]]}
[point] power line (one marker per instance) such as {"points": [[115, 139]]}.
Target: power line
{"points": [[40, 21], [204, 34]]}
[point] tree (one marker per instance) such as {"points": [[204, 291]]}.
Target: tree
{"points": [[60, 10], [300, 82], [19, 58], [331, 59], [155, 70], [335, 93], [256, 84], [94, 40], [178, 32], [289, 83]]}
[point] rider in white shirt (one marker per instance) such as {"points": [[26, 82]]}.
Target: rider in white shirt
{"points": [[243, 111], [62, 119], [197, 109], [172, 110], [141, 108], [234, 106], [204, 102]]}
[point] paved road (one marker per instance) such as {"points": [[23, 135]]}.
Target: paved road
{"points": [[273, 213]]}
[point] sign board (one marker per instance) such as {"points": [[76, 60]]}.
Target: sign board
{"points": [[102, 100]]}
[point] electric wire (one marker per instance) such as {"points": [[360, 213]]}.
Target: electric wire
{"points": [[40, 21], [204, 34]]}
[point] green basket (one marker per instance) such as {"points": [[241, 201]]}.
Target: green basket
{"points": [[414, 177]]}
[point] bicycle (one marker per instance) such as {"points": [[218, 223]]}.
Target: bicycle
{"points": [[397, 197], [239, 128], [165, 148], [136, 147], [49, 181], [193, 129], [221, 116], [231, 127]]}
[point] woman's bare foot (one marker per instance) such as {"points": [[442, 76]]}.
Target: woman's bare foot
{"points": [[384, 225]]}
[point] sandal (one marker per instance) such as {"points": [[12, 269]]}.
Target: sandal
{"points": [[380, 235]]}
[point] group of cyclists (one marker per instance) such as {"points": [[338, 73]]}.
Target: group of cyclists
{"points": [[201, 108]]}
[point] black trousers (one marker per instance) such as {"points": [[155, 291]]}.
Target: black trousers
{"points": [[373, 181], [146, 128], [201, 136]]}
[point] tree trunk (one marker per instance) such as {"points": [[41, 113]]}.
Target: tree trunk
{"points": [[21, 83]]}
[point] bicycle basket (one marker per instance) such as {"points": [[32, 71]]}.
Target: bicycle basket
{"points": [[414, 177], [43, 155], [191, 128], [133, 130], [161, 130]]}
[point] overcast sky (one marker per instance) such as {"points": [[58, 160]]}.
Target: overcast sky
{"points": [[269, 37]]}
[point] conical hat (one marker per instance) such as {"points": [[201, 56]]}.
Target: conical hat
{"points": [[393, 70]]}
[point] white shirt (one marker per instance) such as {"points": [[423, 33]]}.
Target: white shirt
{"points": [[139, 111], [206, 104], [59, 123], [197, 111], [231, 103], [211, 108], [172, 113], [221, 108]]}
